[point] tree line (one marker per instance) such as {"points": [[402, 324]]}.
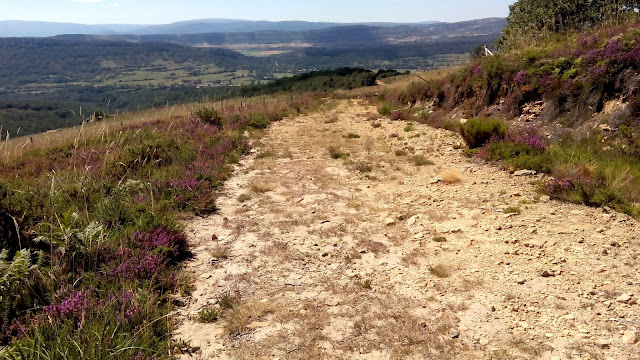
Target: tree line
{"points": [[532, 18]]}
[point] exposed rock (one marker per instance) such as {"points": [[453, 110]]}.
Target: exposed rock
{"points": [[629, 337], [454, 334], [524, 173], [603, 343], [546, 274], [624, 298], [535, 243]]}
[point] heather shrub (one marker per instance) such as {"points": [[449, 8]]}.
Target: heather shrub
{"points": [[478, 131], [210, 116], [91, 249]]}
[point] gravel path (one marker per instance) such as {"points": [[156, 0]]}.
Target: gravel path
{"points": [[372, 256]]}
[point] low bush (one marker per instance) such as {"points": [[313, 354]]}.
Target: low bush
{"points": [[258, 121], [210, 116], [478, 131], [385, 109]]}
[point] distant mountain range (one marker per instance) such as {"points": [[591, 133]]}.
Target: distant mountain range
{"points": [[14, 28], [350, 36]]}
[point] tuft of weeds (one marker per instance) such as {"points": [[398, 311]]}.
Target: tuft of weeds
{"points": [[450, 176], [352, 136], [440, 271], [337, 153], [229, 299], [239, 317], [366, 284], [385, 109], [266, 154], [243, 197], [409, 127], [220, 253], [440, 239], [364, 168], [421, 160], [331, 120], [262, 187], [207, 316], [513, 210], [351, 257]]}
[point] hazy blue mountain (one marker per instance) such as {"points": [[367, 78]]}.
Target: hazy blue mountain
{"points": [[338, 36], [46, 29], [15, 28]]}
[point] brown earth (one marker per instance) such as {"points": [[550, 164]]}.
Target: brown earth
{"points": [[373, 257]]}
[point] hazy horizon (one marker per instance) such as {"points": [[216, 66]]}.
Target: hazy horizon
{"points": [[147, 12]]}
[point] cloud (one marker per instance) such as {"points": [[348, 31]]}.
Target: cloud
{"points": [[116, 4], [88, 1]]}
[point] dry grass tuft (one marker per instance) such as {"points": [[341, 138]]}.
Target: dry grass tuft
{"points": [[440, 271], [372, 246], [243, 197], [450, 176], [237, 319], [262, 187], [220, 253], [420, 160]]}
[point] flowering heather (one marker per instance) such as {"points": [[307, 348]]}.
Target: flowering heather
{"points": [[599, 71], [634, 56], [184, 184], [546, 81], [528, 138], [174, 241], [141, 265], [559, 186], [612, 49], [75, 305], [476, 69], [397, 115], [521, 78]]}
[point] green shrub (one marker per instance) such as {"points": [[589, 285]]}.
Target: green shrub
{"points": [[519, 156], [207, 316], [478, 131], [210, 116], [384, 109], [258, 121]]}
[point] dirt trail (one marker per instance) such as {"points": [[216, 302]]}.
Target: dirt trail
{"points": [[373, 257]]}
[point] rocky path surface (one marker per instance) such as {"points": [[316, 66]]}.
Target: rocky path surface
{"points": [[382, 254]]}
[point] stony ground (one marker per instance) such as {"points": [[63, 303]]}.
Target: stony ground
{"points": [[403, 249]]}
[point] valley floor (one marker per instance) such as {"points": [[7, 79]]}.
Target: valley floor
{"points": [[374, 257]]}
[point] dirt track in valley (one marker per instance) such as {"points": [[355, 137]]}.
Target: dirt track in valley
{"points": [[373, 257]]}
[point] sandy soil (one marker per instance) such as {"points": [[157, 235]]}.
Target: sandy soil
{"points": [[371, 256]]}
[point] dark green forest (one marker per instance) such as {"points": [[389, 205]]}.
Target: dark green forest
{"points": [[35, 113]]}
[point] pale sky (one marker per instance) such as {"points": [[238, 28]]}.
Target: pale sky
{"points": [[167, 11]]}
